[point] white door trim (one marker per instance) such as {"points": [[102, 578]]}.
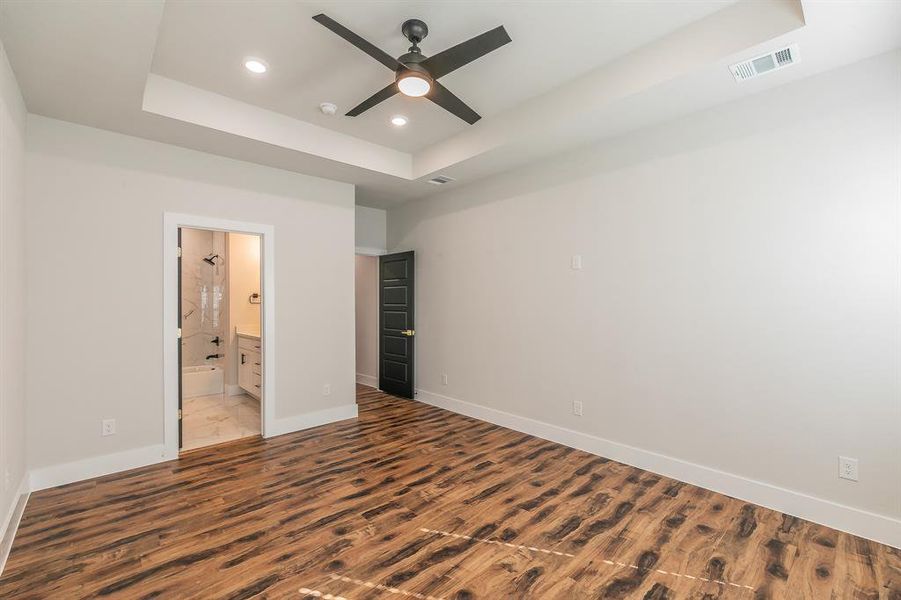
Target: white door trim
{"points": [[171, 223]]}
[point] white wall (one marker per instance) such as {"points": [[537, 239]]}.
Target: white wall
{"points": [[12, 291], [738, 308], [371, 230], [367, 319], [371, 239], [243, 280], [94, 238]]}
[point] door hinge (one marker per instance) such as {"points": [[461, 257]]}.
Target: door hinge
{"points": [[179, 413], [178, 252], [178, 332]]}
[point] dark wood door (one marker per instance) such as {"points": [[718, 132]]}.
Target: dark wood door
{"points": [[396, 331], [179, 337]]}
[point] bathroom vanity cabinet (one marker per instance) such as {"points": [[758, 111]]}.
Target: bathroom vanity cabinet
{"points": [[250, 364]]}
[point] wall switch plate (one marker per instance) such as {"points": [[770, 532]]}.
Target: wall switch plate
{"points": [[444, 379], [577, 408], [577, 261], [327, 390], [108, 427], [847, 468]]}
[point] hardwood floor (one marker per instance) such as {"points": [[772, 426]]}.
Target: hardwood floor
{"points": [[410, 501]]}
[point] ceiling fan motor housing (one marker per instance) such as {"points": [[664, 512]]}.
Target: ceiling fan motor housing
{"points": [[411, 58], [416, 68]]}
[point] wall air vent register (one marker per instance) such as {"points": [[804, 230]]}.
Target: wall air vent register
{"points": [[766, 63]]}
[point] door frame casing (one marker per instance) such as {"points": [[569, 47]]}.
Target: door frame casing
{"points": [[171, 224], [365, 251]]}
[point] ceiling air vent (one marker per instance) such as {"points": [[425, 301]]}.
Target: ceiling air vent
{"points": [[764, 64], [440, 180]]}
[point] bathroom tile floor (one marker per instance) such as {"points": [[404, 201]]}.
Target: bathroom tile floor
{"points": [[219, 418]]}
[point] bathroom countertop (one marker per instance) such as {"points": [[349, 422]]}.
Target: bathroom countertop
{"points": [[248, 333]]}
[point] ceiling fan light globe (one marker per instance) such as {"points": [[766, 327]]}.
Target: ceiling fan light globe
{"points": [[414, 85]]}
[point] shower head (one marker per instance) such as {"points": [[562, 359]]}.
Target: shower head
{"points": [[211, 259]]}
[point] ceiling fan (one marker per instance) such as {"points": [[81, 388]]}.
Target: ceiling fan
{"points": [[417, 75]]}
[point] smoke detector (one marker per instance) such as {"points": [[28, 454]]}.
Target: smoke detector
{"points": [[766, 63], [328, 108], [440, 180]]}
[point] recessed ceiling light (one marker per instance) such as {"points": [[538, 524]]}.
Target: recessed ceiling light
{"points": [[255, 65], [398, 120]]}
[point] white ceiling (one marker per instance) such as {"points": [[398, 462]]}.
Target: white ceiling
{"points": [[203, 45], [575, 73]]}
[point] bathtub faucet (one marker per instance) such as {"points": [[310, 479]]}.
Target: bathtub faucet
{"points": [[209, 356], [216, 340]]}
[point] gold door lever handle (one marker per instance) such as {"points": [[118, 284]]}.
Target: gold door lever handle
{"points": [[408, 332]]}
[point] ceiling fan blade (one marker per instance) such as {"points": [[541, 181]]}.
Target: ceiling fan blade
{"points": [[381, 56], [380, 96], [464, 53], [443, 97]]}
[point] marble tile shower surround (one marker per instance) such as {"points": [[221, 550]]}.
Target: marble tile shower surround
{"points": [[203, 297]]}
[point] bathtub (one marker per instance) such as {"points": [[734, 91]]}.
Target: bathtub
{"points": [[201, 381]]}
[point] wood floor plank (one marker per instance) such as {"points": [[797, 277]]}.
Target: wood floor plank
{"points": [[416, 502]]}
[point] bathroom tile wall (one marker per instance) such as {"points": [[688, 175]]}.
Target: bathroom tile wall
{"points": [[204, 298]]}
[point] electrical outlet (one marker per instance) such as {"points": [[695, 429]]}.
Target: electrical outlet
{"points": [[444, 379], [108, 427], [577, 261], [577, 408], [847, 468], [327, 390]]}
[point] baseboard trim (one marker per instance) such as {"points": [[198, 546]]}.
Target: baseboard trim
{"points": [[233, 389], [369, 380], [312, 419], [880, 528], [96, 466], [107, 464], [12, 519]]}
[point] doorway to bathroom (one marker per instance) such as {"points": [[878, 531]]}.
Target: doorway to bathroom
{"points": [[221, 362]]}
